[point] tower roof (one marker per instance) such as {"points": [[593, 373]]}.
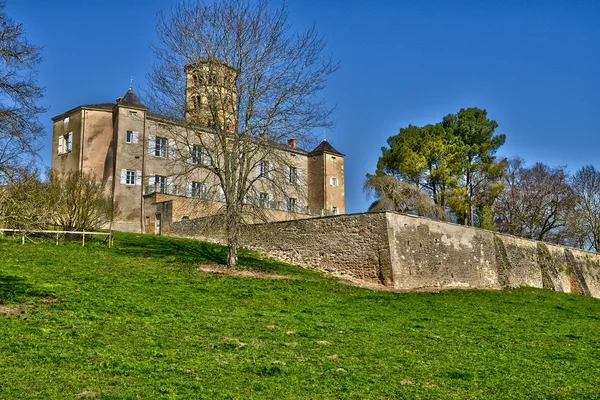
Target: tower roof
{"points": [[131, 100], [325, 147]]}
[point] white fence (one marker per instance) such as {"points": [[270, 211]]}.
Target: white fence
{"points": [[24, 233]]}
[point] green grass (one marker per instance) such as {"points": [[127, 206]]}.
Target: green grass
{"points": [[138, 321]]}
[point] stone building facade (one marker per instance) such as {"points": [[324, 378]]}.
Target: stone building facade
{"points": [[150, 163]]}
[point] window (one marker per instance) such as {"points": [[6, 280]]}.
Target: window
{"points": [[131, 177], [132, 113], [66, 120], [333, 158], [212, 79], [132, 137], [198, 189], [195, 154], [334, 210], [291, 204], [333, 181], [263, 200], [65, 143], [160, 147], [160, 184], [292, 175], [262, 168]]}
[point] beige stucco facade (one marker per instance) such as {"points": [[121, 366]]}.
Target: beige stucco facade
{"points": [[145, 162]]}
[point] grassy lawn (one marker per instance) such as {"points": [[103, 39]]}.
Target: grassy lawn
{"points": [[139, 321]]}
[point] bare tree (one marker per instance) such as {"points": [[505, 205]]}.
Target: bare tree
{"points": [[251, 83], [585, 227], [396, 195], [20, 129], [536, 202], [24, 203], [78, 202]]}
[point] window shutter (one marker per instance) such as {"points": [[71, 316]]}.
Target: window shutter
{"points": [[151, 144], [135, 137], [222, 195], [191, 156], [258, 168], [288, 173], [271, 202], [299, 176], [299, 205], [123, 176], [169, 185], [269, 175], [188, 188], [60, 144], [151, 188], [171, 149], [206, 156], [138, 178], [69, 142]]}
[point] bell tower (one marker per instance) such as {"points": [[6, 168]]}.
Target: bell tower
{"points": [[210, 94]]}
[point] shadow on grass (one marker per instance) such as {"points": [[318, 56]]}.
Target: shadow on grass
{"points": [[14, 288], [191, 251]]}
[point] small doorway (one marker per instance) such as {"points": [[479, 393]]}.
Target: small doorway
{"points": [[158, 229]]}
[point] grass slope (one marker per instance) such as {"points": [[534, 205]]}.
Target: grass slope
{"points": [[138, 321]]}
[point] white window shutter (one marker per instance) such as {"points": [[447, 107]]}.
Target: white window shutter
{"points": [[222, 195], [258, 168], [135, 137], [169, 184], [288, 173], [206, 157], [151, 144], [271, 203], [188, 188], [299, 176], [69, 142], [151, 187], [269, 174], [123, 176], [171, 149], [299, 205], [60, 145], [191, 157], [138, 178]]}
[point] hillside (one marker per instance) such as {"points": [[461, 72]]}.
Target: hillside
{"points": [[141, 321]]}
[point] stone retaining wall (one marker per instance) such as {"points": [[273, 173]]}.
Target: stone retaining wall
{"points": [[408, 252]]}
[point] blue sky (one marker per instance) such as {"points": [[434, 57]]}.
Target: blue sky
{"points": [[534, 65]]}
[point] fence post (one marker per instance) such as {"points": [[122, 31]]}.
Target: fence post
{"points": [[83, 241]]}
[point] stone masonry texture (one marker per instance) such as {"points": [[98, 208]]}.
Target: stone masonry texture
{"points": [[407, 253]]}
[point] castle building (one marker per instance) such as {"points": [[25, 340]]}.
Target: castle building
{"points": [[147, 161]]}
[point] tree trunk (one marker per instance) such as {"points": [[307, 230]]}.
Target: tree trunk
{"points": [[233, 234]]}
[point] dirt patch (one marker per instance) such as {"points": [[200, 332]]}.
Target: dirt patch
{"points": [[246, 273], [12, 310]]}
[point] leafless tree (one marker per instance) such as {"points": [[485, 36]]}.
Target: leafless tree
{"points": [[20, 129], [240, 82], [78, 202], [536, 202], [585, 227], [396, 195], [24, 203]]}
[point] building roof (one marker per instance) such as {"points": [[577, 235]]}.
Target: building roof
{"points": [[325, 147], [131, 100]]}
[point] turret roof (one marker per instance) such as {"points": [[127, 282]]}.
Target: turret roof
{"points": [[325, 147], [131, 100]]}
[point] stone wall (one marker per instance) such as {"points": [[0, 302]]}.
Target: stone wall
{"points": [[407, 252]]}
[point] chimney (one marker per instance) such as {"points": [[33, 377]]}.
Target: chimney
{"points": [[119, 99], [292, 143], [264, 135]]}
